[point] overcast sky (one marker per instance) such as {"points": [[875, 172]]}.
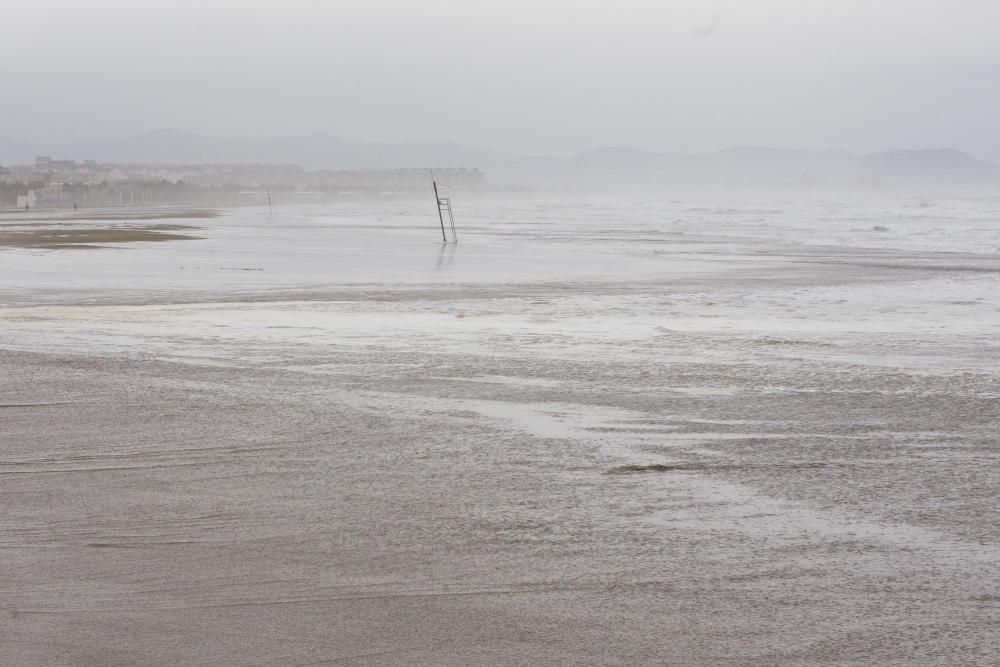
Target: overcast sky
{"points": [[538, 76]]}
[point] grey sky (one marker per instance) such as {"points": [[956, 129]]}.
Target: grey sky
{"points": [[548, 76]]}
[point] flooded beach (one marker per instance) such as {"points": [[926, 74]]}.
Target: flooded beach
{"points": [[594, 431]]}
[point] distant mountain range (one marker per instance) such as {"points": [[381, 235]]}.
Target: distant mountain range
{"points": [[608, 167]]}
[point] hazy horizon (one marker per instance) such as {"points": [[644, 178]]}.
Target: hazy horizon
{"points": [[268, 138], [554, 78]]}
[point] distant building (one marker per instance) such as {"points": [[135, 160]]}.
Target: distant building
{"points": [[302, 197], [53, 194], [27, 200], [251, 197]]}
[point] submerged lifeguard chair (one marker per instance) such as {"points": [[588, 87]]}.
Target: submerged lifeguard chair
{"points": [[444, 204]]}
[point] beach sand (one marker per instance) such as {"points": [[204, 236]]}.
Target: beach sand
{"points": [[588, 434]]}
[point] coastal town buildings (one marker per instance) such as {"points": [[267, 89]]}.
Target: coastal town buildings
{"points": [[55, 183]]}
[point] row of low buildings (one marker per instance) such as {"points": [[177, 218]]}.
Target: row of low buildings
{"points": [[89, 172], [57, 183], [122, 193]]}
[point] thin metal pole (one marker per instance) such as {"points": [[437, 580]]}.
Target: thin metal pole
{"points": [[437, 202], [451, 216]]}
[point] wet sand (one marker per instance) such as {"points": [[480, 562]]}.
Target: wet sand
{"points": [[68, 236], [748, 452]]}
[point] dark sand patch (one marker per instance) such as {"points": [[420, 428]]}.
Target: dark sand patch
{"points": [[709, 467], [30, 405], [17, 217], [56, 237]]}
